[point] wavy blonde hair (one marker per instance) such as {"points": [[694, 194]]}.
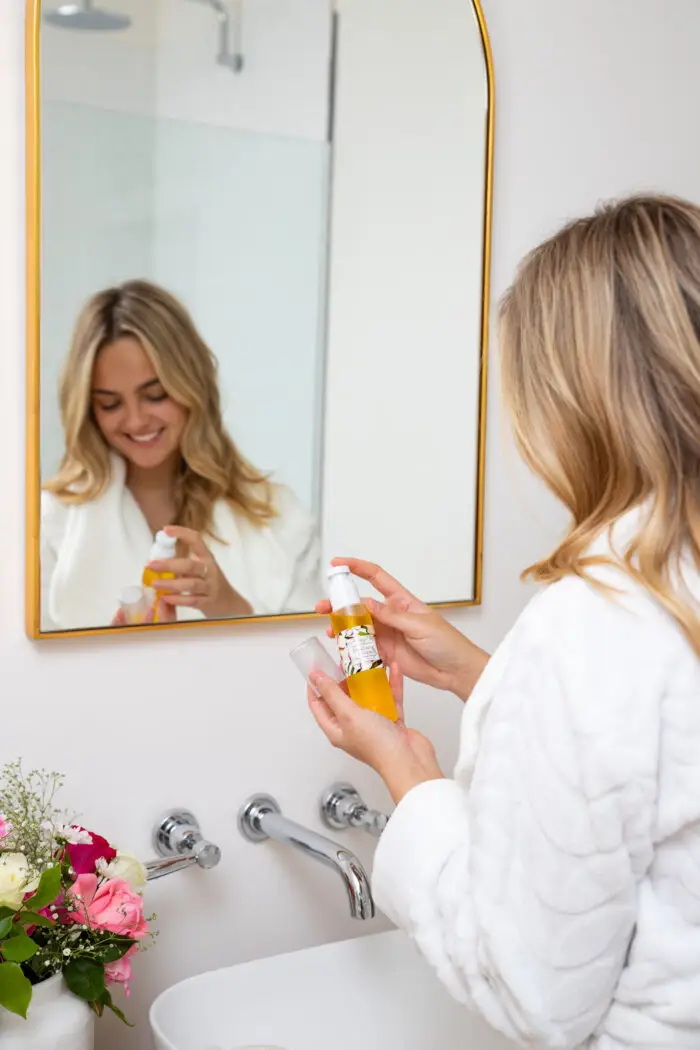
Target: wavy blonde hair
{"points": [[600, 353], [211, 467]]}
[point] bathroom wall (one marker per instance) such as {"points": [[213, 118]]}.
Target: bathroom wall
{"points": [[589, 106]]}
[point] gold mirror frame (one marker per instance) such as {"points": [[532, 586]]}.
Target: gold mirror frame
{"points": [[33, 325]]}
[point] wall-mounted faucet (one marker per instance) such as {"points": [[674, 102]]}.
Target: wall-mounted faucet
{"points": [[342, 807], [261, 819], [230, 51], [178, 841]]}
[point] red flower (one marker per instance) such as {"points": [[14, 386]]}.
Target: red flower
{"points": [[83, 856]]}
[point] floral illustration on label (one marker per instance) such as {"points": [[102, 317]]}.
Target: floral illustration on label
{"points": [[358, 650]]}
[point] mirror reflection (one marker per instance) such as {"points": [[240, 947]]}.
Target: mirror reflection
{"points": [[261, 306]]}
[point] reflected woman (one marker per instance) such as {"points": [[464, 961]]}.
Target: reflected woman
{"points": [[146, 449]]}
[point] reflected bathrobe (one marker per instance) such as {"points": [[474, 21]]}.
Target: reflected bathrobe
{"points": [[91, 551]]}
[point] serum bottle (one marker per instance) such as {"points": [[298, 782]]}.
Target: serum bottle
{"points": [[362, 666], [164, 546]]}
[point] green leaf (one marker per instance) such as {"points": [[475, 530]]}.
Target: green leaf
{"points": [[32, 918], [19, 947], [106, 1000], [5, 926], [15, 989], [6, 913], [86, 979], [49, 888], [113, 949]]}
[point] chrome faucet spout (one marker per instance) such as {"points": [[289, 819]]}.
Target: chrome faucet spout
{"points": [[261, 819]]}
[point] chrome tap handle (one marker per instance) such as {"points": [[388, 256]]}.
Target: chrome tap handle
{"points": [[178, 841], [342, 807]]}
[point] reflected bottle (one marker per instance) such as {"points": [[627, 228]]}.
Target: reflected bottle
{"points": [[353, 627], [164, 546]]}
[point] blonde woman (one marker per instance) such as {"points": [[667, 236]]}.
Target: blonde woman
{"points": [[554, 882], [146, 449]]}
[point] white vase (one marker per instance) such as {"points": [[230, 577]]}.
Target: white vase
{"points": [[56, 1020]]}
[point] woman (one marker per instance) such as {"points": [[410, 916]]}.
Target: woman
{"points": [[146, 449], [554, 883]]}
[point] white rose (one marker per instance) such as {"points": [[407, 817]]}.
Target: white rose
{"points": [[125, 866], [14, 879]]}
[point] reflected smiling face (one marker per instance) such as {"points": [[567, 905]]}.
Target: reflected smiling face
{"points": [[136, 416]]}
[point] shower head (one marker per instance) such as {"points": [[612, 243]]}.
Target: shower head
{"points": [[85, 16]]}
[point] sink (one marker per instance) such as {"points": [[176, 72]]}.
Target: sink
{"points": [[372, 993]]}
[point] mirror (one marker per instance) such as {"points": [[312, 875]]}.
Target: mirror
{"points": [[258, 252]]}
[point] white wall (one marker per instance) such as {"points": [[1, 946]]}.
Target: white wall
{"points": [[405, 302], [594, 100]]}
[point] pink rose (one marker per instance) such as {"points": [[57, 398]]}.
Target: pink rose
{"points": [[119, 972], [5, 827], [84, 856], [112, 906]]}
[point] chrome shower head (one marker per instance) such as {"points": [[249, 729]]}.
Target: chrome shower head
{"points": [[85, 16]]}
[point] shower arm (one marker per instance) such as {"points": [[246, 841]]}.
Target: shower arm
{"points": [[230, 33]]}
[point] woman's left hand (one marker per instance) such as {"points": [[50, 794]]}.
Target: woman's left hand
{"points": [[199, 582], [402, 757]]}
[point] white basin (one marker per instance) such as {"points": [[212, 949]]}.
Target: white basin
{"points": [[373, 993]]}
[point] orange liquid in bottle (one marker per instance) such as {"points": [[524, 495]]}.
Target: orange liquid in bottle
{"points": [[368, 688]]}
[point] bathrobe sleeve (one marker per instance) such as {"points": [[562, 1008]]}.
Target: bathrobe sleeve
{"points": [[53, 515], [518, 879]]}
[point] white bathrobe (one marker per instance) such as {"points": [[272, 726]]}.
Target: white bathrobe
{"points": [[554, 883], [91, 551]]}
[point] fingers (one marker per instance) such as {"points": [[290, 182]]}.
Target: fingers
{"points": [[189, 601], [191, 538], [375, 575], [325, 719], [401, 621], [186, 587], [119, 619], [335, 698], [166, 613], [181, 566], [323, 607], [396, 680]]}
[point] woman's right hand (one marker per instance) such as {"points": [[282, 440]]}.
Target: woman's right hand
{"points": [[414, 638], [166, 614]]}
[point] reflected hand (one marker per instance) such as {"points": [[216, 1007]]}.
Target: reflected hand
{"points": [[166, 614], [402, 757], [199, 582], [414, 638]]}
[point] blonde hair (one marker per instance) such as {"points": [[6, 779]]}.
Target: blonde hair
{"points": [[211, 466], [600, 350]]}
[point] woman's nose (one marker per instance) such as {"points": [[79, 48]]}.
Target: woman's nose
{"points": [[136, 417]]}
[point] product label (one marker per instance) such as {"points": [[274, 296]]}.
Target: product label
{"points": [[358, 650]]}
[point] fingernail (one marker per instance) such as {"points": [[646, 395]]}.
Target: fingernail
{"points": [[317, 677]]}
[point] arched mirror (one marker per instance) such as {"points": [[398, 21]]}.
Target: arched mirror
{"points": [[258, 245]]}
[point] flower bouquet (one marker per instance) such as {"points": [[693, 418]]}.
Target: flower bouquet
{"points": [[69, 902]]}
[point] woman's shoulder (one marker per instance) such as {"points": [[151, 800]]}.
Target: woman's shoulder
{"points": [[602, 630], [54, 517], [290, 524]]}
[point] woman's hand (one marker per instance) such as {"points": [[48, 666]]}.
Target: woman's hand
{"points": [[415, 638], [166, 614], [199, 582], [402, 757]]}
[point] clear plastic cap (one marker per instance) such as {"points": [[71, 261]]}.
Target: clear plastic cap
{"points": [[311, 656], [342, 588], [164, 546], [134, 603]]}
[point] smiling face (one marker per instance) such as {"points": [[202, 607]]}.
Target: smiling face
{"points": [[136, 416]]}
